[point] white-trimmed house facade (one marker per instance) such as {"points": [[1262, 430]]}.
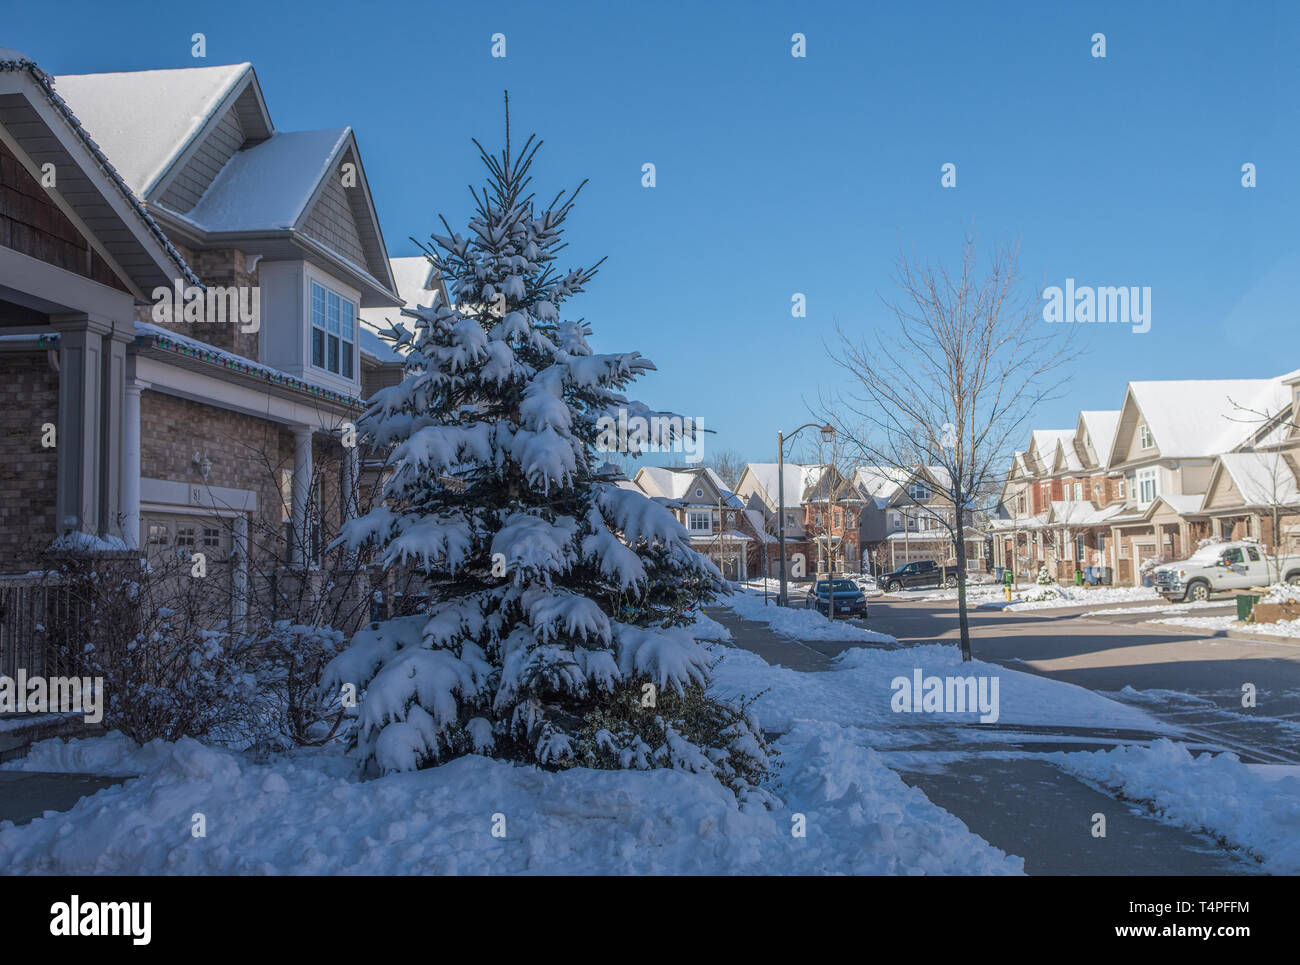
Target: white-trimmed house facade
{"points": [[174, 434]]}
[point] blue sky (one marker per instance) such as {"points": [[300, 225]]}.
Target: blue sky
{"points": [[779, 175]]}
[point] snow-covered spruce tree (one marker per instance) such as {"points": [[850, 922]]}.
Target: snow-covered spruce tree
{"points": [[555, 631]]}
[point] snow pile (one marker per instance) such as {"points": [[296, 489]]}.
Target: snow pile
{"points": [[1282, 628], [857, 692], [1173, 608], [1213, 793], [1050, 597], [799, 623], [1281, 593], [307, 815]]}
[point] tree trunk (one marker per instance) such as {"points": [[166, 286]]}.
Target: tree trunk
{"points": [[963, 622]]}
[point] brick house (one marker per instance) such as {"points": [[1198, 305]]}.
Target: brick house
{"points": [[190, 432], [822, 516]]}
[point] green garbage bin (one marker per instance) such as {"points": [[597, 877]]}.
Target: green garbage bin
{"points": [[1246, 606], [1078, 577]]}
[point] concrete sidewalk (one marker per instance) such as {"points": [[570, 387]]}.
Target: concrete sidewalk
{"points": [[26, 795], [1024, 804]]}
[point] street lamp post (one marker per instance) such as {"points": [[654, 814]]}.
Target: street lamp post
{"points": [[828, 433]]}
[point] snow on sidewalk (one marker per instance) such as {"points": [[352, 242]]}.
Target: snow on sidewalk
{"points": [[1251, 807], [1036, 596], [308, 814], [798, 623]]}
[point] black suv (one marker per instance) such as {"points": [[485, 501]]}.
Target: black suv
{"points": [[918, 573]]}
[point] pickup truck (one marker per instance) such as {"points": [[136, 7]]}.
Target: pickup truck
{"points": [[1223, 566], [918, 573]]}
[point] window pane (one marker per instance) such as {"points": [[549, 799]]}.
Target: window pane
{"points": [[317, 305], [317, 348], [347, 360], [346, 314], [332, 312], [333, 363]]}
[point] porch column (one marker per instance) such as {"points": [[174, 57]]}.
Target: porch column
{"points": [[131, 463], [111, 510], [302, 472], [81, 368]]}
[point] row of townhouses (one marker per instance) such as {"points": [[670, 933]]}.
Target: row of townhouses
{"points": [[128, 426], [869, 520], [1178, 463]]}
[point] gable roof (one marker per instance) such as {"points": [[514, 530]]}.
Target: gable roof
{"points": [[660, 481], [90, 186], [145, 119], [1263, 479], [1042, 447], [1065, 458], [1100, 426], [1191, 418], [799, 480], [261, 191], [269, 185]]}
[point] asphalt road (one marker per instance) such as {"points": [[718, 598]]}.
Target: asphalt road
{"points": [[1184, 676]]}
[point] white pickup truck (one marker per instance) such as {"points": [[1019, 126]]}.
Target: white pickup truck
{"points": [[1223, 566]]}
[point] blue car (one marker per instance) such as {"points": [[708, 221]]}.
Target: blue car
{"points": [[849, 600]]}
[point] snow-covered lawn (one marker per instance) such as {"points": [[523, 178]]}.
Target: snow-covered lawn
{"points": [[309, 814], [798, 623], [1166, 608], [1249, 807], [1283, 628], [858, 693], [1034, 596]]}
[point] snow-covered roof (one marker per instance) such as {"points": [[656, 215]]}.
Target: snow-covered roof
{"points": [[1080, 512], [145, 119], [677, 483], [1066, 457], [416, 286], [1184, 504], [267, 187], [799, 480], [1191, 418], [12, 60], [1042, 445], [1262, 478], [1101, 426], [202, 351]]}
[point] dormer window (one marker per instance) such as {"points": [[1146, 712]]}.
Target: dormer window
{"points": [[918, 491], [1144, 437], [333, 332]]}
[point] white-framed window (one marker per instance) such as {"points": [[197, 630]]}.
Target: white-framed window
{"points": [[839, 519], [918, 490], [186, 536], [333, 331], [1147, 483], [817, 518], [1078, 491], [698, 522], [1144, 437], [699, 493], [1120, 490], [894, 521], [791, 519]]}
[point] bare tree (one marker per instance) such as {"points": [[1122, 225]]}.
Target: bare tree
{"points": [[1275, 479], [953, 384], [728, 464]]}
